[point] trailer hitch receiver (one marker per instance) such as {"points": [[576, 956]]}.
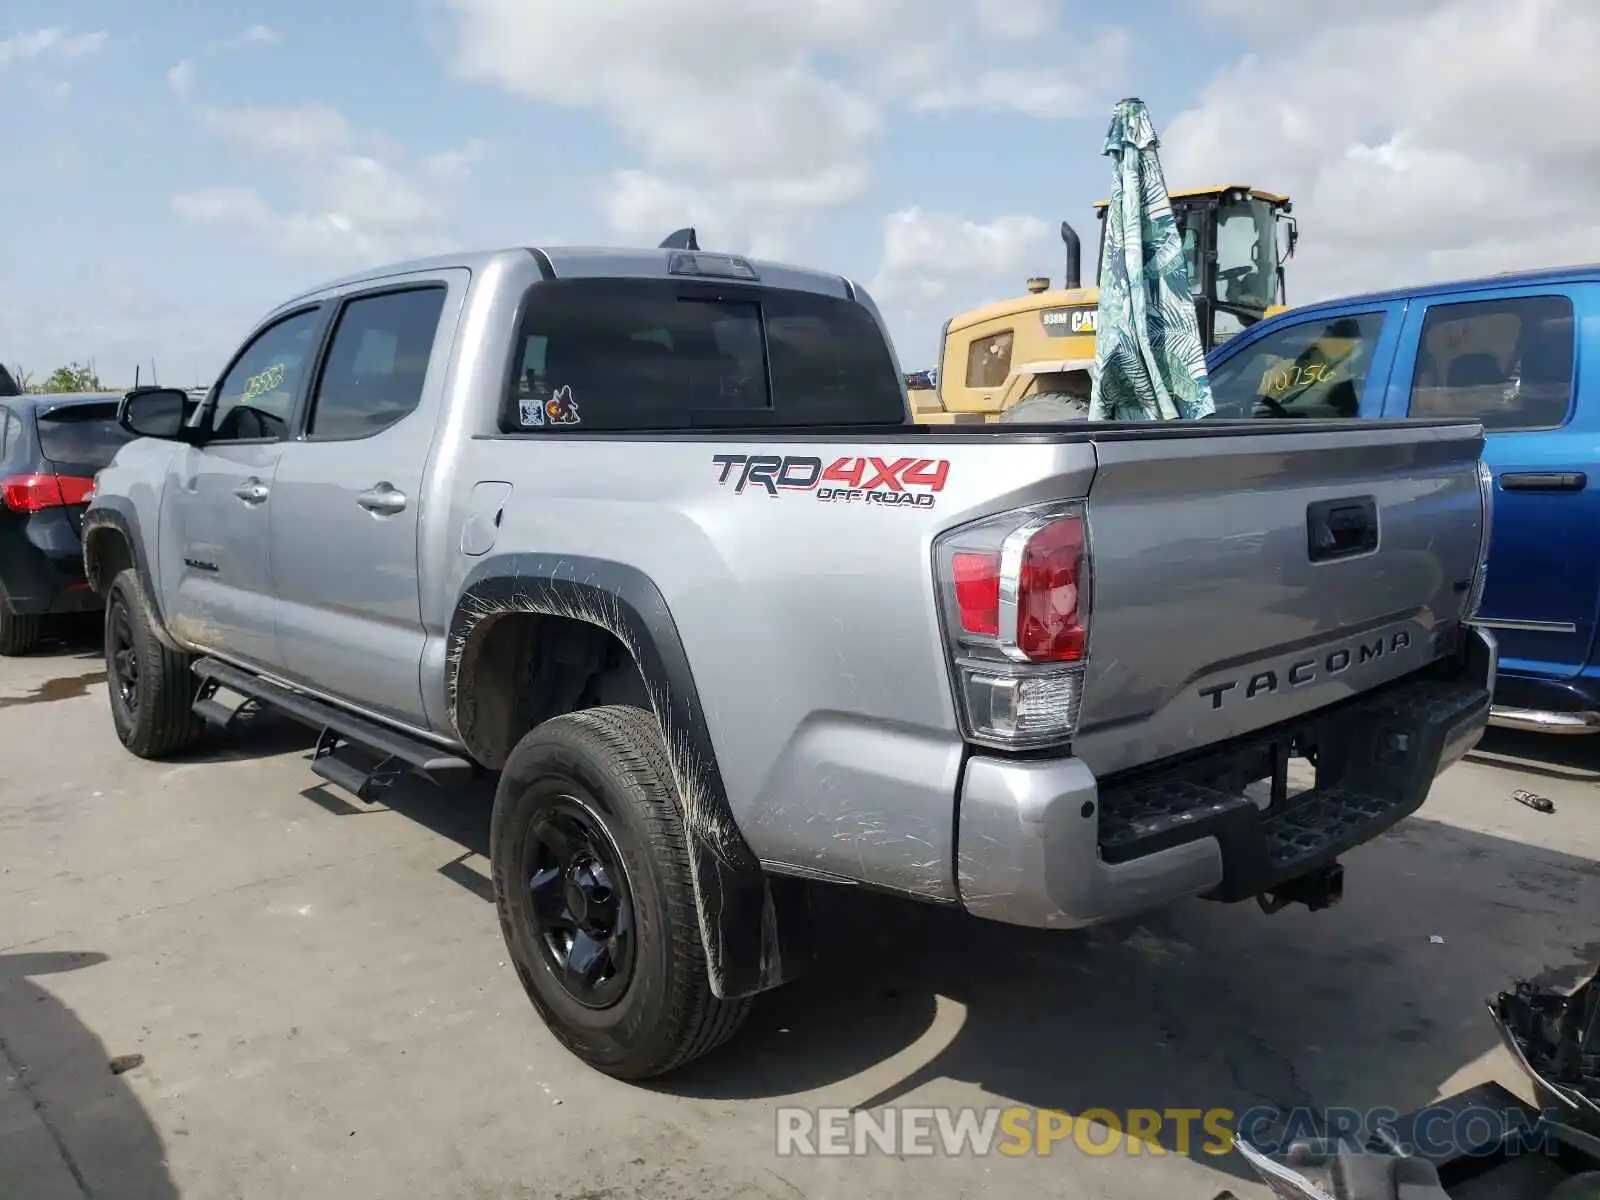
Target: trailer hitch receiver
{"points": [[1318, 889]]}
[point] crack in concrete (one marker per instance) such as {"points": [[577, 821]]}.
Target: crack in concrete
{"points": [[20, 1070]]}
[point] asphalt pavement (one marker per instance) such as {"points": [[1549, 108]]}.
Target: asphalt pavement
{"points": [[319, 993]]}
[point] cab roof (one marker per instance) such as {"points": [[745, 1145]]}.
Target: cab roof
{"points": [[1186, 193], [579, 262]]}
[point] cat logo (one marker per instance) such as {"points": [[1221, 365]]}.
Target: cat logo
{"points": [[1062, 322]]}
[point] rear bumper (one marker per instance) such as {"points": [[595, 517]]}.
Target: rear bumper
{"points": [[1042, 843], [41, 566]]}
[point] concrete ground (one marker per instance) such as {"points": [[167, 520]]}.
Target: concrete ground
{"points": [[320, 995]]}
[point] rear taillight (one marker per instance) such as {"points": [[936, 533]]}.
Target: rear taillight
{"points": [[1481, 574], [1015, 594], [35, 493]]}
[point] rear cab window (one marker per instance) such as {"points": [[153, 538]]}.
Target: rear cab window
{"points": [[1310, 369], [643, 354], [1506, 362], [81, 435]]}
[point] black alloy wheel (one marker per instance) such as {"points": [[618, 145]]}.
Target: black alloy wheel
{"points": [[122, 656], [579, 902]]}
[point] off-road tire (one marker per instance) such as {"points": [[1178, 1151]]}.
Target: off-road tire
{"points": [[1046, 408], [19, 633], [161, 723], [613, 758]]}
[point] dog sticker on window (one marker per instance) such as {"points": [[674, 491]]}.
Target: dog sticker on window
{"points": [[561, 408]]}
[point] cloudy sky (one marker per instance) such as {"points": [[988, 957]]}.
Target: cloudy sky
{"points": [[174, 170]]}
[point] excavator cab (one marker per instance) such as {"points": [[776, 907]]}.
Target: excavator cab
{"points": [[1236, 240]]}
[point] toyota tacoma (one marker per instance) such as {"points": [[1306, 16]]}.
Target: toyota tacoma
{"points": [[652, 535]]}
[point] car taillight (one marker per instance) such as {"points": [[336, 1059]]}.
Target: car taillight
{"points": [[35, 493], [1015, 594]]}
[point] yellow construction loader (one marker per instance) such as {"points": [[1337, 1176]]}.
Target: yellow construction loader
{"points": [[1040, 346]]}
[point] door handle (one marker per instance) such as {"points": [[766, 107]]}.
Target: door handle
{"points": [[1543, 481], [251, 491], [383, 499]]}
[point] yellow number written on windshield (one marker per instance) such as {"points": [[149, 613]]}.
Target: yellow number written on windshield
{"points": [[269, 380], [1279, 381]]}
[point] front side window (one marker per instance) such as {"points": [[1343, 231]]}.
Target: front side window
{"points": [[1507, 363], [256, 396], [989, 360], [376, 363], [1313, 369], [1247, 254], [611, 354]]}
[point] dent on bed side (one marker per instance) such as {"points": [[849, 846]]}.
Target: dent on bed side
{"points": [[752, 927]]}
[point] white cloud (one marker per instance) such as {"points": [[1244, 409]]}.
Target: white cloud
{"points": [[345, 201], [257, 35], [1018, 20], [49, 43], [308, 129], [1047, 96], [1419, 138], [761, 117], [934, 263], [181, 78]]}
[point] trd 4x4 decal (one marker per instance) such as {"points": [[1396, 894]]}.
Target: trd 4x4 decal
{"points": [[904, 482]]}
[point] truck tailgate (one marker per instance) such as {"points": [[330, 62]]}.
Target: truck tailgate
{"points": [[1246, 577]]}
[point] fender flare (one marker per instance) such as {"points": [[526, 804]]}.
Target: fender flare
{"points": [[117, 514], [754, 926]]}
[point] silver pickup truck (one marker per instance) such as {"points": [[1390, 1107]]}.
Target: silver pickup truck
{"points": [[651, 534]]}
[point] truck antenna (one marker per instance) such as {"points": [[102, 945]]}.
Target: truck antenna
{"points": [[681, 239]]}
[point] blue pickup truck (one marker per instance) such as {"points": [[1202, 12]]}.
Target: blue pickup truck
{"points": [[1509, 351]]}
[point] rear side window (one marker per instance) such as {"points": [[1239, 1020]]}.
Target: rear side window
{"points": [[1313, 369], [1507, 363], [82, 435], [376, 363], [609, 354]]}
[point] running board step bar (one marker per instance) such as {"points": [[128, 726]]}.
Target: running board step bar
{"points": [[1533, 720], [395, 752]]}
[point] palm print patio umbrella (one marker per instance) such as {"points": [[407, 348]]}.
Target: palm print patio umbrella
{"points": [[1149, 363]]}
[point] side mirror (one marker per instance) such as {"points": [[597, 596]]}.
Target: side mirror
{"points": [[156, 412]]}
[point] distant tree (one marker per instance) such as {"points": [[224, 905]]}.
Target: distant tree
{"points": [[72, 378]]}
